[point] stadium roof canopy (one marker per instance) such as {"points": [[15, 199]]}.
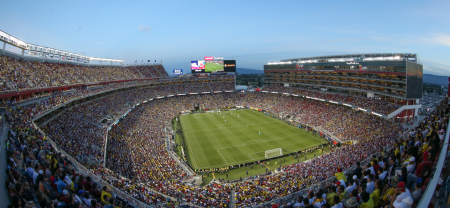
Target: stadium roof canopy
{"points": [[7, 38], [365, 56]]}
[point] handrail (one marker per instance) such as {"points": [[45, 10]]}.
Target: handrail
{"points": [[84, 171], [315, 186], [87, 172], [429, 191]]}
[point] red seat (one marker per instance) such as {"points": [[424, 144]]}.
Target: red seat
{"points": [[424, 187], [426, 181]]}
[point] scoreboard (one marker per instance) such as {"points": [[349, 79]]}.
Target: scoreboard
{"points": [[212, 64]]}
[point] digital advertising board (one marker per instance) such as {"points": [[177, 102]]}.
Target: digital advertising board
{"points": [[198, 66], [213, 64], [176, 72], [229, 65]]}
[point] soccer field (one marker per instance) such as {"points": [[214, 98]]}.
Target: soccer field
{"points": [[212, 67], [213, 143]]}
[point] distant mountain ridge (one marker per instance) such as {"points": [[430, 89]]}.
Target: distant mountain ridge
{"points": [[249, 71], [435, 79]]}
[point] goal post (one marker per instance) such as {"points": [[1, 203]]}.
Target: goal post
{"points": [[273, 153]]}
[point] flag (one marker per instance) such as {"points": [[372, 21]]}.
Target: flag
{"points": [[155, 60], [135, 61], [148, 60]]}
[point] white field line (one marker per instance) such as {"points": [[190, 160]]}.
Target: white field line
{"points": [[251, 160], [297, 141], [300, 131], [254, 143], [287, 149], [220, 127], [222, 156], [190, 148], [279, 121]]}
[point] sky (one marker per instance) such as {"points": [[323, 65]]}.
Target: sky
{"points": [[251, 32]]}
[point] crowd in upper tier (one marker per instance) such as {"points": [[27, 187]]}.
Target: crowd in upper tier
{"points": [[372, 104], [18, 74], [136, 151]]}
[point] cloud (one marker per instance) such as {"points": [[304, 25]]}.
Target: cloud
{"points": [[144, 28], [430, 69], [442, 39], [78, 29], [379, 38], [432, 39], [436, 68]]}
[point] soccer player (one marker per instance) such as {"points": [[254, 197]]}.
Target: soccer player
{"points": [[259, 133], [238, 116], [225, 121]]}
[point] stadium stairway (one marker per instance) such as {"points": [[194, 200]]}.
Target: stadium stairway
{"points": [[233, 197], [93, 123], [405, 107], [33, 101]]}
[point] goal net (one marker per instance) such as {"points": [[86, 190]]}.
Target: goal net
{"points": [[274, 153]]}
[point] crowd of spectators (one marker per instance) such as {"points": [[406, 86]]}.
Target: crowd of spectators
{"points": [[148, 71], [75, 132], [88, 146], [137, 159], [372, 104], [397, 177], [341, 121], [19, 74], [38, 176]]}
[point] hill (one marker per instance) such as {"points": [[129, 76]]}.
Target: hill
{"points": [[435, 79]]}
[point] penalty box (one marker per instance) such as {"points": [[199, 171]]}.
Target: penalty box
{"points": [[287, 144]]}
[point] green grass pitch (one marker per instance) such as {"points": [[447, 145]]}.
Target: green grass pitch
{"points": [[213, 143], [212, 67]]}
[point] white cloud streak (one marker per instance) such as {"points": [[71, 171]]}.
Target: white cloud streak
{"points": [[144, 28], [442, 39]]}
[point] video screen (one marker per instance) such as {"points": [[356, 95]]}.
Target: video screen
{"points": [[198, 66], [214, 66], [229, 65]]}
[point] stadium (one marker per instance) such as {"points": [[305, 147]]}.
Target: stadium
{"points": [[344, 130]]}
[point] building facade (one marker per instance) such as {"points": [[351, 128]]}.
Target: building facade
{"points": [[397, 77]]}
